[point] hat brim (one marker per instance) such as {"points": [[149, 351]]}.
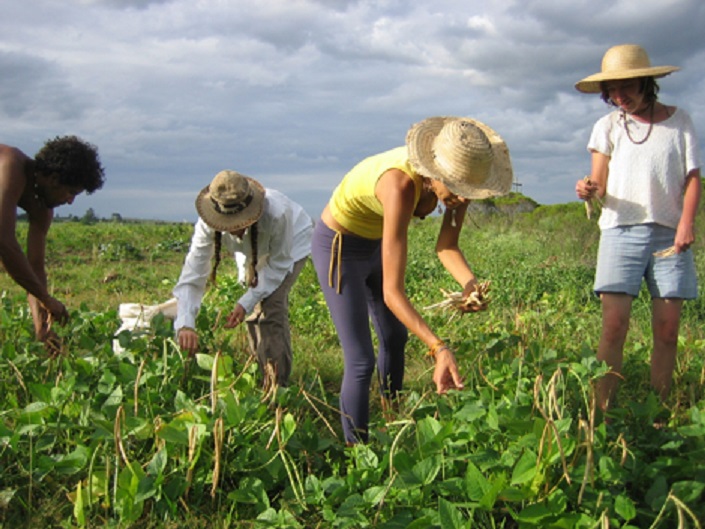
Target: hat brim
{"points": [[231, 222], [420, 139], [591, 84]]}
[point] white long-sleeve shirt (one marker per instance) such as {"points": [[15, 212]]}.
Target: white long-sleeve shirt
{"points": [[283, 238]]}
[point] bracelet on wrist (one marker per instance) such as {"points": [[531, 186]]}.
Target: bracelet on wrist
{"points": [[437, 348]]}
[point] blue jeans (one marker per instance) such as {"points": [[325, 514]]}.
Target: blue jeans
{"points": [[353, 298]]}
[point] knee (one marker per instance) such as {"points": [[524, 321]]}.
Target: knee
{"points": [[666, 332], [361, 368], [615, 329]]}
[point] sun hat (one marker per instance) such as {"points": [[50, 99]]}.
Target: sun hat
{"points": [[231, 202], [625, 61], [466, 155]]}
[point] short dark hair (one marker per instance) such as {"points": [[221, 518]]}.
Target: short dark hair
{"points": [[74, 162], [649, 87]]}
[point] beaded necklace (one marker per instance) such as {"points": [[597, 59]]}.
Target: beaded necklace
{"points": [[648, 132]]}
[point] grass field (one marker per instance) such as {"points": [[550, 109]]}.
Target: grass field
{"points": [[149, 439]]}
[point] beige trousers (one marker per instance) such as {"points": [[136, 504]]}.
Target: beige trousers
{"points": [[268, 326]]}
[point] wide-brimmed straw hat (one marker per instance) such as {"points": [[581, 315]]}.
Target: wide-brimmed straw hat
{"points": [[466, 155], [231, 202], [625, 61]]}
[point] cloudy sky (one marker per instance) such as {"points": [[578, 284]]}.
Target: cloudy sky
{"points": [[295, 92]]}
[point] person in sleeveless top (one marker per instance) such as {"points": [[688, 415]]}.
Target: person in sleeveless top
{"points": [[359, 250]]}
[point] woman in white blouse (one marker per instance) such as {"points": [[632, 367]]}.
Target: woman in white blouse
{"points": [[269, 235], [646, 170]]}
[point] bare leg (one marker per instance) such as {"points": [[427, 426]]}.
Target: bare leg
{"points": [[665, 324], [616, 309]]}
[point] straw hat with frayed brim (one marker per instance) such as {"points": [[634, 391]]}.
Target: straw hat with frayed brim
{"points": [[466, 155], [626, 61], [231, 202]]}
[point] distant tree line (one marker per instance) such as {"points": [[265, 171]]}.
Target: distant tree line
{"points": [[90, 217]]}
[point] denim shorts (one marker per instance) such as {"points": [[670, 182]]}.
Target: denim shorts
{"points": [[625, 257]]}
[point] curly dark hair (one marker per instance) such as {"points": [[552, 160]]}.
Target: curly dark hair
{"points": [[74, 162], [649, 87]]}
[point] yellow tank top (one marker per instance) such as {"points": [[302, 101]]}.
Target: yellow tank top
{"points": [[354, 204]]}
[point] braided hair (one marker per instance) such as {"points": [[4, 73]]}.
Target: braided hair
{"points": [[216, 257], [252, 271]]}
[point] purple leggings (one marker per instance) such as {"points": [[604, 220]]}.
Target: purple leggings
{"points": [[359, 300]]}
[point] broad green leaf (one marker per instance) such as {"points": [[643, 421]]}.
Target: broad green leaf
{"points": [[106, 383], [374, 495], [427, 429], [656, 495], [34, 412], [525, 469], [688, 491], [157, 464], [126, 503], [427, 469], [497, 484], [610, 471], [624, 507], [492, 418], [205, 361], [287, 427], [449, 515], [115, 398], [476, 484], [534, 513], [73, 462]]}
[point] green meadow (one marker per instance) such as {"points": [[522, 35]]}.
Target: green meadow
{"points": [[150, 438]]}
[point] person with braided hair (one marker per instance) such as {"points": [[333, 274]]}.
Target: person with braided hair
{"points": [[269, 235]]}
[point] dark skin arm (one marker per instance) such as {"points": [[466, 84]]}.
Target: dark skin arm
{"points": [[26, 270]]}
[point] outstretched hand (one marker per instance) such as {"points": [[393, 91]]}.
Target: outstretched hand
{"points": [[446, 375]]}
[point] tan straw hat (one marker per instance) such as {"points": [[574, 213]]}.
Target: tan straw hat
{"points": [[466, 155], [231, 202], [625, 61]]}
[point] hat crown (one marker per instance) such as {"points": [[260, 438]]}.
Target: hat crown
{"points": [[229, 188], [463, 151], [625, 57]]}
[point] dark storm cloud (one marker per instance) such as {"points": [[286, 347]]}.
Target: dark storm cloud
{"points": [[295, 92]]}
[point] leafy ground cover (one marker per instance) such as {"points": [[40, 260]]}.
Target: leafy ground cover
{"points": [[149, 438]]}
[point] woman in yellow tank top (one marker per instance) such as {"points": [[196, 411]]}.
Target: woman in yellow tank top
{"points": [[359, 250]]}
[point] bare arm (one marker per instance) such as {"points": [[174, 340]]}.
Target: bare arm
{"points": [[685, 235], [448, 248], [17, 264], [395, 190], [598, 178], [26, 270]]}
